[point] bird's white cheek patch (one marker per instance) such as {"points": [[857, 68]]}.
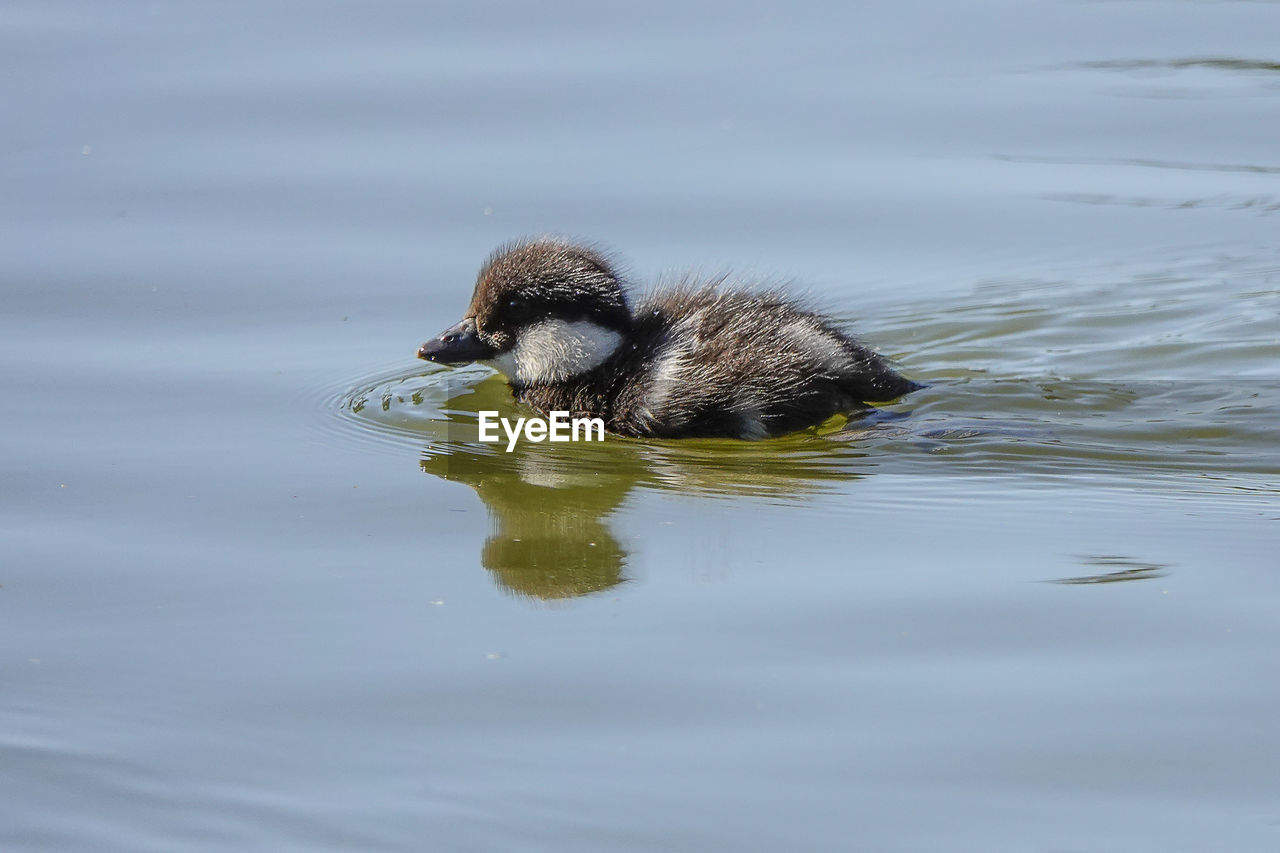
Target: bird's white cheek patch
{"points": [[504, 363], [555, 350]]}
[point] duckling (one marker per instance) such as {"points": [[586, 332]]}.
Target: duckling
{"points": [[700, 360]]}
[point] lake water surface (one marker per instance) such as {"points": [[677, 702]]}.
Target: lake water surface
{"points": [[263, 589]]}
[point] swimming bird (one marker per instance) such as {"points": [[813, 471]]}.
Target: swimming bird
{"points": [[703, 359]]}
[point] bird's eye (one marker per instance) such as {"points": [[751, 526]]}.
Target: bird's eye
{"points": [[516, 305]]}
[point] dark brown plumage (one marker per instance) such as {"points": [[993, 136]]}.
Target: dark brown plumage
{"points": [[697, 360]]}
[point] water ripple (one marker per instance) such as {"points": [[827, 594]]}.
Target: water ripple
{"points": [[1120, 377]]}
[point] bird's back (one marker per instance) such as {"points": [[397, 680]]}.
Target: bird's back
{"points": [[714, 361]]}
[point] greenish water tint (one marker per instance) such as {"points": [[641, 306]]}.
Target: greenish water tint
{"points": [[262, 589], [1137, 380]]}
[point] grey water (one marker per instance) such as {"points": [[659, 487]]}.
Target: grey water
{"points": [[262, 588]]}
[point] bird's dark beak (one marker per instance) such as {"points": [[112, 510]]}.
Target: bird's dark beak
{"points": [[457, 345]]}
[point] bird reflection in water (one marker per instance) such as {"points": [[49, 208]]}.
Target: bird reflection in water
{"points": [[550, 537], [551, 505]]}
